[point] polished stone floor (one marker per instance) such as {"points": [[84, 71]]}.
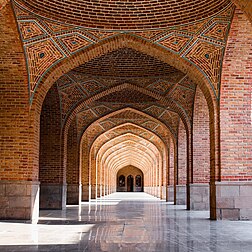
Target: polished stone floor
{"points": [[126, 222]]}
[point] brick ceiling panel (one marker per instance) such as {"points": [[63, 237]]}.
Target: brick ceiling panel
{"points": [[127, 96], [125, 14], [128, 129], [123, 122], [126, 62]]}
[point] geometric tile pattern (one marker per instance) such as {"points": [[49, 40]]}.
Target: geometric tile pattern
{"points": [[175, 42], [208, 57], [74, 87], [126, 130], [150, 35], [171, 119], [127, 96], [160, 86], [92, 86], [68, 97], [193, 28], [56, 27], [127, 121], [155, 110], [74, 42], [101, 110], [30, 29], [96, 110], [218, 31], [184, 97], [40, 56], [84, 118], [100, 35], [87, 87], [201, 43]]}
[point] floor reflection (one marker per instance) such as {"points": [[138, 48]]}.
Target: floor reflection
{"points": [[126, 222]]}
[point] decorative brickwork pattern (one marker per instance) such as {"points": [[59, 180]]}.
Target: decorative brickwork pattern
{"points": [[74, 42], [218, 31], [40, 56], [201, 42], [176, 42], [126, 62], [116, 119], [30, 29], [208, 57]]}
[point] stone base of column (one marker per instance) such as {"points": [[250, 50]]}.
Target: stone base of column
{"points": [[234, 200], [93, 192], [53, 196], [170, 193], [102, 191], [99, 193], [181, 194], [19, 200], [73, 194], [163, 194], [148, 190], [199, 197], [156, 191], [85, 193]]}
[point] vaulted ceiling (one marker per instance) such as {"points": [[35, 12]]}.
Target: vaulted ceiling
{"points": [[126, 15], [124, 77]]}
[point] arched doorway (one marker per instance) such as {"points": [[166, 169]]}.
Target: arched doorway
{"points": [[130, 179], [130, 183], [139, 184]]}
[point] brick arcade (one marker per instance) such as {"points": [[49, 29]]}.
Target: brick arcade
{"points": [[91, 89]]}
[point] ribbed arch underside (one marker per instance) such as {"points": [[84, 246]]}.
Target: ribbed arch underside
{"points": [[131, 149], [126, 149]]}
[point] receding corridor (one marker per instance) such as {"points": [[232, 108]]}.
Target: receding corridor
{"points": [[126, 222]]}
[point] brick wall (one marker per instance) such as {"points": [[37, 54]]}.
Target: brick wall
{"points": [[181, 154], [84, 160], [246, 6], [15, 156], [50, 146], [235, 103], [201, 139], [171, 170], [3, 3], [132, 15], [72, 155]]}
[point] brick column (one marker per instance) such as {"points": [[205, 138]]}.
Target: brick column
{"points": [[19, 188]]}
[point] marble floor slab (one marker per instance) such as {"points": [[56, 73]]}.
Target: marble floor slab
{"points": [[126, 222]]}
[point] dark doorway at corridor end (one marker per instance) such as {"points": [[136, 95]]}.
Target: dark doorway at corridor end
{"points": [[130, 179]]}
